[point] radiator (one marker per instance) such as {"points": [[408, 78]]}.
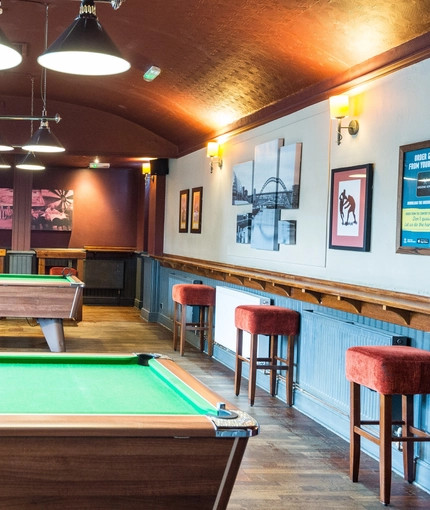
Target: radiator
{"points": [[225, 332], [20, 262], [321, 359]]}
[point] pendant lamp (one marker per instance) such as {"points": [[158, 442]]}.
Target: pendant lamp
{"points": [[9, 57], [30, 162], [4, 144], [84, 48], [43, 140], [3, 163]]}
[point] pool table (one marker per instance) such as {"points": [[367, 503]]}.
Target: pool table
{"points": [[112, 432], [49, 299]]}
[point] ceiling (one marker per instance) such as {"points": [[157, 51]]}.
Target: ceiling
{"points": [[226, 66]]}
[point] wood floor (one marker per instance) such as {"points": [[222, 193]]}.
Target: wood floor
{"points": [[293, 464]]}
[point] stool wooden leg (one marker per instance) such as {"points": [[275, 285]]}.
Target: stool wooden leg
{"points": [[201, 325], [289, 376], [238, 372], [408, 446], [354, 438], [183, 329], [273, 361], [385, 435], [210, 330], [175, 325], [252, 369]]}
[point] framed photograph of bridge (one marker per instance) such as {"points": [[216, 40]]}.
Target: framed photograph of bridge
{"points": [[266, 167], [351, 208], [288, 178]]}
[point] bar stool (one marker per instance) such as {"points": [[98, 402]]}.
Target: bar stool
{"points": [[388, 370], [193, 294], [271, 321]]}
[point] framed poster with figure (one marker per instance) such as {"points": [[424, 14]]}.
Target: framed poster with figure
{"points": [[351, 208]]}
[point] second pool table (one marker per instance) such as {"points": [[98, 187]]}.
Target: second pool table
{"points": [[114, 432], [49, 299]]}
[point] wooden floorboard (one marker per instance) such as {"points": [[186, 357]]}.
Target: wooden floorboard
{"points": [[293, 464]]}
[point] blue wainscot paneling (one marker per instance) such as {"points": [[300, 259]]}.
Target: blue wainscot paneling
{"points": [[321, 390]]}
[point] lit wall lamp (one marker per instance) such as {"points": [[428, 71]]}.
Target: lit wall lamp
{"points": [[214, 152], [146, 169], [339, 109]]}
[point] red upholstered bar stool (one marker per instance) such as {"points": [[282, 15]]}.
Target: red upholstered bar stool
{"points": [[272, 321], [389, 370], [193, 294]]}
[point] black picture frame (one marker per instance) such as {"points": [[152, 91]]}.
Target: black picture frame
{"points": [[196, 210], [413, 199], [184, 200], [351, 208]]}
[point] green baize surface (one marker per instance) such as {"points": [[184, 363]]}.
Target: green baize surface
{"points": [[85, 386]]}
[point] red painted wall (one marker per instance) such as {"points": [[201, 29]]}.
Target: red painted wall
{"points": [[105, 207]]}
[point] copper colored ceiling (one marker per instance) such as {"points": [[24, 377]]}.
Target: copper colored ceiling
{"points": [[227, 65]]}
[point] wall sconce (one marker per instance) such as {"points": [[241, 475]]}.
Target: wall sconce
{"points": [[214, 152], [339, 109], [146, 169]]}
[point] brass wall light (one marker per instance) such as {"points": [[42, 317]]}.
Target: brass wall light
{"points": [[214, 153], [339, 109]]}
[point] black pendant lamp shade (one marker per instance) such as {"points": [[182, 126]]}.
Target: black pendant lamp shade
{"points": [[30, 162], [84, 48], [9, 57], [43, 140]]}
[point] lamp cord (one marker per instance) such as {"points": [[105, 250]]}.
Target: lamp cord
{"points": [[32, 105], [44, 109]]}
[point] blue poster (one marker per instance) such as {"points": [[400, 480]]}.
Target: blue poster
{"points": [[415, 221]]}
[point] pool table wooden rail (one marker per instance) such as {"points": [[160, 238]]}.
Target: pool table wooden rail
{"points": [[113, 462], [53, 301]]}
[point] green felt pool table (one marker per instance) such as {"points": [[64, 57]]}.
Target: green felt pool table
{"points": [[49, 299], [113, 432]]}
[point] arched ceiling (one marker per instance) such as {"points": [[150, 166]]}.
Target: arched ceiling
{"points": [[226, 65]]}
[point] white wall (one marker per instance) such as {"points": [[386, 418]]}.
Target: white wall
{"points": [[392, 111]]}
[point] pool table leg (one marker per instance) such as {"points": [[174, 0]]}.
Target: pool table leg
{"points": [[54, 333]]}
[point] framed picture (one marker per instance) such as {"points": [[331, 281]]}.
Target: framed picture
{"points": [[184, 198], [351, 208], [196, 203], [413, 206]]}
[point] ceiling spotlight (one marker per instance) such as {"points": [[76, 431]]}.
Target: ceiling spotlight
{"points": [[84, 48], [9, 57]]}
